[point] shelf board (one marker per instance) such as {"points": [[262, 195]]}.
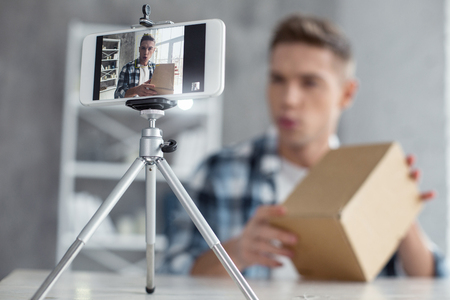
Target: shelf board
{"points": [[115, 171], [132, 242], [107, 89]]}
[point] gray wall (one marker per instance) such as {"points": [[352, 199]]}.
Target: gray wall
{"points": [[400, 52], [399, 45]]}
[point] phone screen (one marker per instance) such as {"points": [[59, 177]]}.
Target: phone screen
{"points": [[150, 62]]}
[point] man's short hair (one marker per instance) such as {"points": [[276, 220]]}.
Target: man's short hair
{"points": [[314, 31], [147, 37]]}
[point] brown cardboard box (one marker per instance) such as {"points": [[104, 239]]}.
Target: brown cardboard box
{"points": [[163, 78], [351, 212]]}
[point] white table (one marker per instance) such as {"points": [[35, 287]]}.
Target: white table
{"points": [[21, 284]]}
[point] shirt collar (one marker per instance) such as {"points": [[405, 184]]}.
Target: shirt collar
{"points": [[138, 64], [270, 161]]}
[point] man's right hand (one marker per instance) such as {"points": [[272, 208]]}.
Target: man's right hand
{"points": [[258, 243], [143, 90]]}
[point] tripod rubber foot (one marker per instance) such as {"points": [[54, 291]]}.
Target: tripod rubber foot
{"points": [[150, 291]]}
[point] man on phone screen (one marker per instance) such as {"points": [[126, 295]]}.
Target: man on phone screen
{"points": [[135, 77], [311, 82]]}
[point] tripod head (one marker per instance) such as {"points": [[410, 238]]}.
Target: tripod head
{"points": [[151, 140]]}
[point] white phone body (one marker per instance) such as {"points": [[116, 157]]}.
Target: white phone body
{"points": [[101, 68]]}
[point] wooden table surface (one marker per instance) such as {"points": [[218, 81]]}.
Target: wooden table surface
{"points": [[21, 284]]}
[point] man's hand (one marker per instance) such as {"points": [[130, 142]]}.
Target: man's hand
{"points": [[143, 90], [415, 174], [417, 259], [257, 244], [259, 240]]}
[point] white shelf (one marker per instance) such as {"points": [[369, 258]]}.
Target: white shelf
{"points": [[114, 171], [107, 90], [108, 62], [117, 242]]}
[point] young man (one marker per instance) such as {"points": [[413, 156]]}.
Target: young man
{"points": [[237, 190], [135, 76]]}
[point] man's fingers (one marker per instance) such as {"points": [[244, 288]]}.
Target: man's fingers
{"points": [[147, 89], [268, 248], [265, 212], [410, 160], [256, 242], [270, 233], [256, 256], [415, 174], [267, 261], [426, 196]]}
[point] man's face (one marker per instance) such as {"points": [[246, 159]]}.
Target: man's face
{"points": [[146, 51], [306, 93]]}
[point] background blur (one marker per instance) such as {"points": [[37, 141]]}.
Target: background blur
{"points": [[400, 48]]}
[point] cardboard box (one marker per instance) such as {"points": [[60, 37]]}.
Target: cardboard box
{"points": [[351, 212], [163, 78]]}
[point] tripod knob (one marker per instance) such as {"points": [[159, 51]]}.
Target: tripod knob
{"points": [[169, 146]]}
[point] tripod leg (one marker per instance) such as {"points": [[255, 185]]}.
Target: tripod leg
{"points": [[150, 189], [90, 227], [204, 228]]}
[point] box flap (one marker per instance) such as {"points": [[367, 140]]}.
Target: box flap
{"points": [[334, 180]]}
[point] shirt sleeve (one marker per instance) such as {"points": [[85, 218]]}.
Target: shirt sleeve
{"points": [[440, 264], [122, 84], [394, 266]]}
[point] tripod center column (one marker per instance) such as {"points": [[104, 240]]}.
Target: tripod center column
{"points": [[150, 144]]}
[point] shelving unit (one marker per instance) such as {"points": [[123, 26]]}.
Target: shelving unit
{"points": [[109, 68], [98, 145]]}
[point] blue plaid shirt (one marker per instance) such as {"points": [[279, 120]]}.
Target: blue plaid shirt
{"points": [[228, 187], [129, 77]]}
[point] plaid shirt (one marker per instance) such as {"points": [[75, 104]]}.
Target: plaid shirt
{"points": [[129, 77], [227, 188]]}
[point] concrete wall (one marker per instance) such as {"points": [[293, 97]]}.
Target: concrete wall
{"points": [[399, 46]]}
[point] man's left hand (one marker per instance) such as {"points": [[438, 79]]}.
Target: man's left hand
{"points": [[415, 174]]}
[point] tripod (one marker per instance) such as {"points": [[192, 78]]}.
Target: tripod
{"points": [[151, 151]]}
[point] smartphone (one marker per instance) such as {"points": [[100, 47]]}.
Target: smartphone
{"points": [[171, 61]]}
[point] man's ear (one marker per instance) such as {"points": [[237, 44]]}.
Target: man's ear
{"points": [[348, 93]]}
